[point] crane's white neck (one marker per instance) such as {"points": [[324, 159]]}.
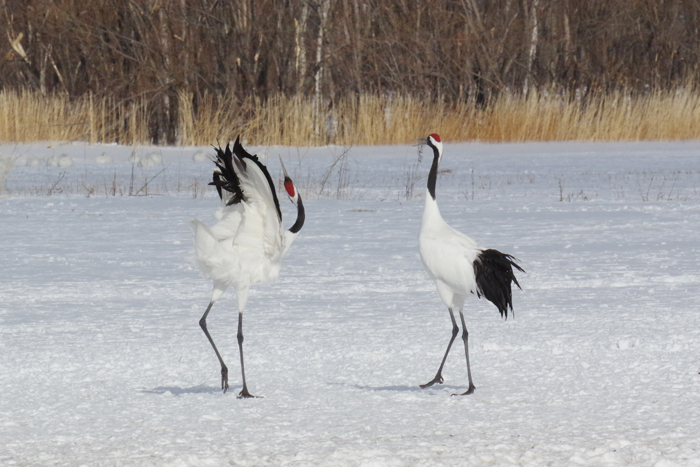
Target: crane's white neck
{"points": [[288, 239], [431, 212]]}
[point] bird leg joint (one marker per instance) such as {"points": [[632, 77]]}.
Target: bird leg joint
{"points": [[224, 378]]}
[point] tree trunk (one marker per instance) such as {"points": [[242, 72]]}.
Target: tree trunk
{"points": [[534, 35], [318, 75]]}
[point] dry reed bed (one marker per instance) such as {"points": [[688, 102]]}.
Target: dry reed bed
{"points": [[367, 119]]}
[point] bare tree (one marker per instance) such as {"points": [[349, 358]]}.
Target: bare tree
{"points": [[152, 51]]}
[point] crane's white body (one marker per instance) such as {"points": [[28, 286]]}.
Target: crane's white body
{"points": [[448, 256], [247, 244], [245, 247]]}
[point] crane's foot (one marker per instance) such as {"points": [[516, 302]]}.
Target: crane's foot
{"points": [[437, 379], [469, 391], [244, 394], [224, 379]]}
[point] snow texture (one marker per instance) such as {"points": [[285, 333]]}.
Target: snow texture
{"points": [[104, 363]]}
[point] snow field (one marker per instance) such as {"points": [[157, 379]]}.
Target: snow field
{"points": [[104, 362]]}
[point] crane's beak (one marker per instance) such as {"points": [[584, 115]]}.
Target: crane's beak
{"points": [[289, 185], [420, 141], [284, 169]]}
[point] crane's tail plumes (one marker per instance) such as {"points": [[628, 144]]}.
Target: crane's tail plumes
{"points": [[494, 275]]}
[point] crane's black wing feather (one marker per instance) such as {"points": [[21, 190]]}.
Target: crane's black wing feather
{"points": [[494, 275], [225, 177]]}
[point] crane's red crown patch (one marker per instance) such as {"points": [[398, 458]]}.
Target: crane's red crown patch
{"points": [[436, 137], [289, 186]]}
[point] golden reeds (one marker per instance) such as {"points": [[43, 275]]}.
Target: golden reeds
{"points": [[364, 119]]}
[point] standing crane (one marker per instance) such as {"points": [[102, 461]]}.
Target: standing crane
{"points": [[460, 267], [247, 244]]}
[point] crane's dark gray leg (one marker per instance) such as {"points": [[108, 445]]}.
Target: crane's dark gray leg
{"points": [[438, 375], [465, 338], [244, 392], [224, 370]]}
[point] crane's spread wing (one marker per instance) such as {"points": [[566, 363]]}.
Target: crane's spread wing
{"points": [[243, 176], [259, 191], [245, 245]]}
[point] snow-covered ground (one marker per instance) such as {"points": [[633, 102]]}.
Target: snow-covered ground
{"points": [[102, 361]]}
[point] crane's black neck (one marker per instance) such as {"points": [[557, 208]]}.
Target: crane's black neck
{"points": [[432, 176], [301, 216]]}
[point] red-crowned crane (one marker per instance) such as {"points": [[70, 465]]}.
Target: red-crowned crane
{"points": [[247, 244], [459, 266]]}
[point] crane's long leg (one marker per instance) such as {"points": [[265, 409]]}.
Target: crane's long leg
{"points": [[438, 375], [244, 392], [224, 369], [465, 338]]}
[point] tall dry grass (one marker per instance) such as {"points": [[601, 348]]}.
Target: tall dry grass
{"points": [[6, 163], [366, 119], [31, 116]]}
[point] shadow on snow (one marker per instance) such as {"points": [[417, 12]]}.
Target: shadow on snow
{"points": [[178, 391], [407, 388]]}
